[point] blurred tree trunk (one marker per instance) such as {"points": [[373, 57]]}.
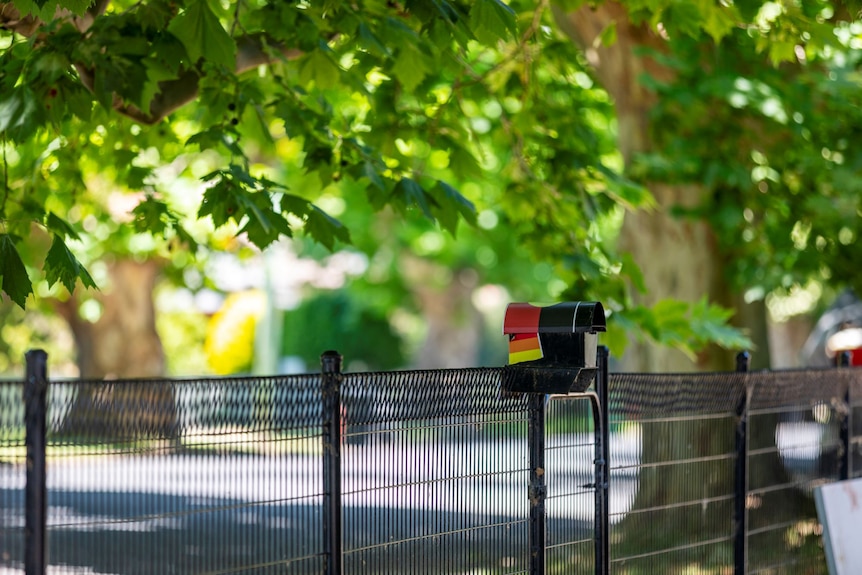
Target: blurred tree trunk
{"points": [[454, 324], [121, 344], [694, 269], [680, 259]]}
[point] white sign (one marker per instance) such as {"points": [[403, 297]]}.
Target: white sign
{"points": [[839, 506]]}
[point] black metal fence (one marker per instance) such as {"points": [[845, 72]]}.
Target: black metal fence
{"points": [[425, 472], [714, 473]]}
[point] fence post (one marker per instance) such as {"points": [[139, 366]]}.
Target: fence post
{"points": [[330, 363], [740, 484], [845, 462], [538, 491], [602, 464], [35, 491]]}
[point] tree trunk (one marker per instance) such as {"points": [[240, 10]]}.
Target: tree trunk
{"points": [[693, 271], [753, 317], [680, 259], [121, 344], [787, 338], [454, 324]]}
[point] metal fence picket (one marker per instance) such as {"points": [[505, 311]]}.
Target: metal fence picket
{"points": [[35, 498]]}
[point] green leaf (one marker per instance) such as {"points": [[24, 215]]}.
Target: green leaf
{"points": [[325, 229], [492, 20], [46, 8], [259, 216], [617, 336], [137, 176], [684, 326], [370, 172], [76, 6], [185, 237], [263, 226], [19, 115], [61, 264], [155, 217], [149, 216], [608, 37], [370, 42], [409, 193], [584, 266], [220, 203], [685, 18], [13, 275], [50, 65], [294, 117], [452, 206], [319, 68], [633, 272], [454, 21], [161, 66], [153, 15], [242, 198], [626, 192], [462, 161], [203, 36], [206, 140], [719, 19], [295, 205], [60, 226], [411, 66], [711, 323], [782, 51]]}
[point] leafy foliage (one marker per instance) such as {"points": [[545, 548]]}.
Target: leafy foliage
{"points": [[774, 146], [683, 326], [61, 265], [352, 327], [343, 82], [15, 284], [202, 35], [443, 110]]}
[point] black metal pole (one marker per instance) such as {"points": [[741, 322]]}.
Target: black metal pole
{"points": [[740, 486], [602, 464], [538, 491], [35, 491], [845, 462], [330, 363]]}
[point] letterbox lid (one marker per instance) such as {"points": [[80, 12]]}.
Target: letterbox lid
{"points": [[564, 317]]}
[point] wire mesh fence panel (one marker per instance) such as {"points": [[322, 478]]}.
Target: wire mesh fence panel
{"points": [[570, 451], [435, 474], [672, 471], [228, 475], [210, 476], [12, 475], [794, 446]]}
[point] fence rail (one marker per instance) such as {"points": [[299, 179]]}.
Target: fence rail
{"points": [[423, 472]]}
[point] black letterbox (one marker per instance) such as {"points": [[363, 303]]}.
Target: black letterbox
{"points": [[552, 348]]}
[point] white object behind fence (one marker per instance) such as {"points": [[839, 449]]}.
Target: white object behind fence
{"points": [[839, 507]]}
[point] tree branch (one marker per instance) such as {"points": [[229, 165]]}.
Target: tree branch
{"points": [[96, 9], [10, 19], [253, 50], [618, 67]]}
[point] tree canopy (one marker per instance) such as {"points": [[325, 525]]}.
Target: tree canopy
{"points": [[437, 109], [383, 101]]}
